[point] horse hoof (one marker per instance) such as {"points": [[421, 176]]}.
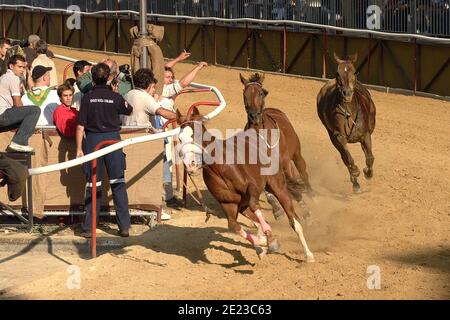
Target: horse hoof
{"points": [[262, 240], [274, 246], [310, 258], [368, 173], [261, 252], [354, 171], [357, 189]]}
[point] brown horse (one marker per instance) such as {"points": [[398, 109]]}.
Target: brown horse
{"points": [[236, 186], [259, 117], [347, 111]]}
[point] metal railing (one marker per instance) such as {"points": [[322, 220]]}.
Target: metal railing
{"points": [[426, 17]]}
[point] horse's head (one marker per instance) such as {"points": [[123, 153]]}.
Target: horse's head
{"points": [[254, 95], [346, 76], [190, 149]]}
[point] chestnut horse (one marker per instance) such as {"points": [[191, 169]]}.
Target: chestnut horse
{"points": [[259, 117], [236, 186], [347, 111]]}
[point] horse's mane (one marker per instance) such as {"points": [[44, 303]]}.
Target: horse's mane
{"points": [[256, 77]]}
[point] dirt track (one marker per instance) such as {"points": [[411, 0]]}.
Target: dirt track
{"points": [[400, 222]]}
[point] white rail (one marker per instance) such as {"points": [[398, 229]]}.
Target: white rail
{"points": [[406, 36], [127, 142]]}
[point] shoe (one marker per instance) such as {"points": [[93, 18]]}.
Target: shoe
{"points": [[20, 148], [165, 215], [175, 203], [86, 235], [124, 233]]}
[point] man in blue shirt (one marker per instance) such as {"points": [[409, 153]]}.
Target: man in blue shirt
{"points": [[99, 119]]}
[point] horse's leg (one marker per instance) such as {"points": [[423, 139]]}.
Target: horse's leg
{"points": [[366, 145], [254, 193], [278, 186], [260, 233], [340, 143], [277, 211], [231, 211], [300, 164]]}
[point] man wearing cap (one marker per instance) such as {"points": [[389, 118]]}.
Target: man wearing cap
{"points": [[30, 51], [43, 60], [99, 120], [41, 95], [12, 111]]}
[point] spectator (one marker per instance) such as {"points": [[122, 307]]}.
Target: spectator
{"points": [[12, 111], [145, 106], [65, 116], [80, 68], [5, 44], [99, 119], [173, 87], [43, 60], [30, 51], [117, 83], [41, 95]]}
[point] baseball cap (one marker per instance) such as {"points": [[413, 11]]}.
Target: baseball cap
{"points": [[39, 71], [33, 38]]}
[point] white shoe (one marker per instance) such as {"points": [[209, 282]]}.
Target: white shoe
{"points": [[20, 148], [165, 215]]}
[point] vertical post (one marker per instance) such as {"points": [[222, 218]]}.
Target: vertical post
{"points": [[30, 195], [368, 57], [248, 46], [61, 38], [215, 43], [41, 25], [104, 32], [284, 49], [118, 27], [143, 31], [94, 209], [324, 56], [185, 34], [3, 22], [184, 185], [415, 66]]}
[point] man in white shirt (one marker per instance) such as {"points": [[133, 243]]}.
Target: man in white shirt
{"points": [[144, 107], [143, 102], [42, 95], [12, 112], [173, 87]]}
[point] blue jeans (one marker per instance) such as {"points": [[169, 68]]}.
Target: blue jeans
{"points": [[115, 168], [25, 118]]}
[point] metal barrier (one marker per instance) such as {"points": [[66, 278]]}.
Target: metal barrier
{"points": [[426, 17]]}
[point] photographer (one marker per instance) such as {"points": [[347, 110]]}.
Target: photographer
{"points": [[29, 48], [119, 79]]}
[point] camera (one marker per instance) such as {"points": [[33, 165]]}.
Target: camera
{"points": [[21, 43], [124, 73]]}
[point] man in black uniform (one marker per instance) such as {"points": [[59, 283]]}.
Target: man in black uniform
{"points": [[99, 119]]}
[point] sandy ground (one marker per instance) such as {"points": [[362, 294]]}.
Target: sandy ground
{"points": [[400, 223]]}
